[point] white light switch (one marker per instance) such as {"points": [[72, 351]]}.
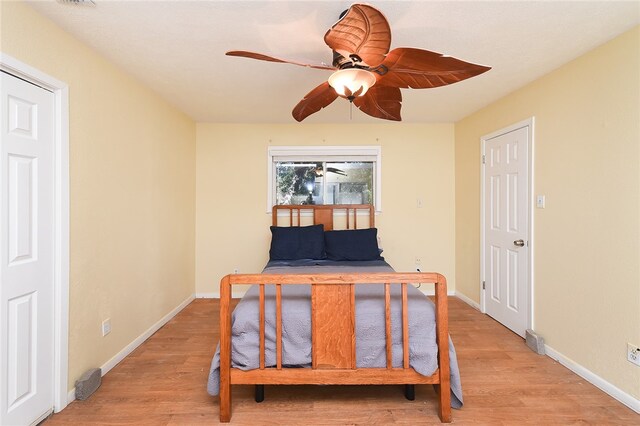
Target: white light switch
{"points": [[540, 201], [419, 203]]}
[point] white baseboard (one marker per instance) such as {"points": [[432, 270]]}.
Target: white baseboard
{"points": [[106, 367], [235, 294], [594, 379], [207, 296], [468, 301], [431, 291]]}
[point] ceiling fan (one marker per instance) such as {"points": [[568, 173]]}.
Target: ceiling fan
{"points": [[366, 72]]}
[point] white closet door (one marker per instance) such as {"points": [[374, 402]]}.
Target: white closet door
{"points": [[506, 249], [26, 252]]}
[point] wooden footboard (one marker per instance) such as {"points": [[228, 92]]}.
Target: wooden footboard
{"points": [[333, 335]]}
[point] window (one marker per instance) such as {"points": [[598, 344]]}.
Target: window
{"points": [[324, 175], [343, 182]]}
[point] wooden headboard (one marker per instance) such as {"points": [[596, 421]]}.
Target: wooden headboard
{"points": [[357, 216]]}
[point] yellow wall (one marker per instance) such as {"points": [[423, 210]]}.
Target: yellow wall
{"points": [[132, 191], [587, 239], [232, 223]]}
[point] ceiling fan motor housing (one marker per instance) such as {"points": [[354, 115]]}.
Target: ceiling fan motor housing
{"points": [[354, 61], [341, 62]]}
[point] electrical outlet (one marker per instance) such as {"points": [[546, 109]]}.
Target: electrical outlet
{"points": [[633, 354], [106, 327], [418, 263]]}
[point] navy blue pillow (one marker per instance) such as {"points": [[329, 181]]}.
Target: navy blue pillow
{"points": [[357, 244], [297, 242]]}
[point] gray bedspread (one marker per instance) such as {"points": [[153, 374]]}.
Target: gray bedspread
{"points": [[370, 325]]}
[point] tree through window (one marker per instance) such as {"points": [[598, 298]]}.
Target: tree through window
{"points": [[324, 175], [346, 182]]}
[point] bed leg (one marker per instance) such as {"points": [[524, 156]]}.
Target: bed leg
{"points": [[444, 403], [410, 392], [259, 393], [442, 337], [225, 404], [225, 350]]}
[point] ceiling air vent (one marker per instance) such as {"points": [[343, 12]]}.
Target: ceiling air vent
{"points": [[78, 2]]}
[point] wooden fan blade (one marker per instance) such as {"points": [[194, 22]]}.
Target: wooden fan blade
{"points": [[381, 102], [314, 101], [262, 57], [363, 31], [421, 69]]}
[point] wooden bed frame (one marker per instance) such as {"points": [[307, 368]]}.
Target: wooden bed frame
{"points": [[333, 324]]}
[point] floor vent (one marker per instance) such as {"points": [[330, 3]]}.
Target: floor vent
{"points": [[535, 342], [88, 383]]}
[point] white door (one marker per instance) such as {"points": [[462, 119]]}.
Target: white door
{"points": [[506, 229], [26, 252]]}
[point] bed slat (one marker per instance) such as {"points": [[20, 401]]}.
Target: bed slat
{"points": [[387, 324], [324, 214], [278, 327], [405, 327], [352, 288], [262, 326]]}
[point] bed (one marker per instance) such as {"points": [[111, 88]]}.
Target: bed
{"points": [[334, 321]]}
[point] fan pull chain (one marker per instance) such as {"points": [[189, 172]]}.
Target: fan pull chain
{"points": [[350, 111]]}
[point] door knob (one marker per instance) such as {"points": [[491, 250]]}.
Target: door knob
{"points": [[519, 243]]}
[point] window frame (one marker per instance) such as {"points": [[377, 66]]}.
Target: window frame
{"points": [[370, 153]]}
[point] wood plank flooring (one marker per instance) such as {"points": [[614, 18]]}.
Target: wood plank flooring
{"points": [[163, 382]]}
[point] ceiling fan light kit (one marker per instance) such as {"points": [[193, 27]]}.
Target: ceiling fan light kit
{"points": [[352, 82], [367, 73]]}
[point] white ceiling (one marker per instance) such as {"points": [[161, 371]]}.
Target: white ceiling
{"points": [[177, 49]]}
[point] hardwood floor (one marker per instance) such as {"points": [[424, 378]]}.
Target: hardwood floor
{"points": [[163, 382]]}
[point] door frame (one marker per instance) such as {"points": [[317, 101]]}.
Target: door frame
{"points": [[61, 218], [530, 123]]}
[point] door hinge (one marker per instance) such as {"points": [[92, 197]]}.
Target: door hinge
{"points": [[483, 285], [484, 159]]}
